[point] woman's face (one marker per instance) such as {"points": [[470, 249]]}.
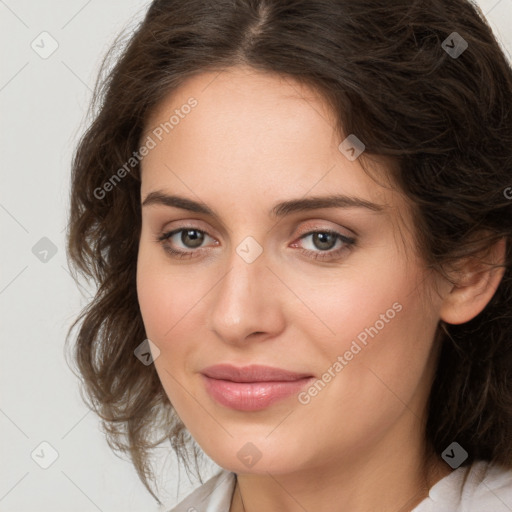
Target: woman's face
{"points": [[251, 288]]}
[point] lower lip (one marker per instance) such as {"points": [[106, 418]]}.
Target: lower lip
{"points": [[252, 396]]}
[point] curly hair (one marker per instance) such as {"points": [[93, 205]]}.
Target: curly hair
{"points": [[389, 72]]}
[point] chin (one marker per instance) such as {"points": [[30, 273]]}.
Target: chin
{"points": [[252, 457]]}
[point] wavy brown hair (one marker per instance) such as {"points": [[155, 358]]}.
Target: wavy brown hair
{"points": [[444, 121]]}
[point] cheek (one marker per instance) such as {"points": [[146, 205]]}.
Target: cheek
{"points": [[379, 323], [341, 307], [164, 298], [169, 305], [153, 297], [163, 304], [383, 369], [385, 347]]}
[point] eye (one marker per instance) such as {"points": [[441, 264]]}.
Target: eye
{"points": [[326, 240], [192, 238]]}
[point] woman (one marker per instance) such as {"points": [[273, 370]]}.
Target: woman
{"points": [[299, 217]]}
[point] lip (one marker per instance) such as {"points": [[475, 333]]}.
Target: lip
{"points": [[251, 388], [252, 373]]}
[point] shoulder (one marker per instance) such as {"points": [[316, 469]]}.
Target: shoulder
{"points": [[481, 486], [212, 496], [489, 485]]}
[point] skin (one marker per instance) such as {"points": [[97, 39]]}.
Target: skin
{"points": [[253, 140]]}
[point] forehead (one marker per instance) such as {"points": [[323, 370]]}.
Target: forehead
{"points": [[224, 88], [243, 109], [251, 136]]}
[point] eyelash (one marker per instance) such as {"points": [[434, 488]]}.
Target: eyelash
{"points": [[330, 254]]}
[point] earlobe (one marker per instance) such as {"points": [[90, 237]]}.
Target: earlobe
{"points": [[475, 287]]}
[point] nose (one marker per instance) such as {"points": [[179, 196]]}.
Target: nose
{"points": [[246, 305]]}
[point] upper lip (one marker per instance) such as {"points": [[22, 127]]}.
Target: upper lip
{"points": [[252, 373]]}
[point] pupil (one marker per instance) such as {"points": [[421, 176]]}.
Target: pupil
{"points": [[196, 240], [323, 237], [323, 240]]}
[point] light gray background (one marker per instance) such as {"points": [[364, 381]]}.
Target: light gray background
{"points": [[43, 107]]}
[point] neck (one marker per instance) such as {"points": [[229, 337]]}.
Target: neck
{"points": [[394, 489]]}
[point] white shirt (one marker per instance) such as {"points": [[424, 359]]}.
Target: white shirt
{"points": [[486, 488]]}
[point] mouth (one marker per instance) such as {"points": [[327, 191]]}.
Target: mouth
{"points": [[252, 388], [252, 373]]}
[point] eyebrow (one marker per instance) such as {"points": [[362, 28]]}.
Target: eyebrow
{"points": [[281, 209]]}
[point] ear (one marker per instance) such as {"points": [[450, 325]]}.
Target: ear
{"points": [[476, 285]]}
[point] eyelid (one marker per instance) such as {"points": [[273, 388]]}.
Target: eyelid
{"points": [[319, 225], [310, 229], [198, 224], [306, 228], [328, 256]]}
